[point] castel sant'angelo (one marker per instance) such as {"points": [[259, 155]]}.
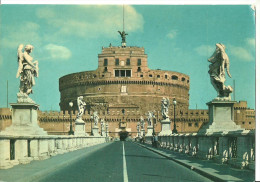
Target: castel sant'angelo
{"points": [[122, 90]]}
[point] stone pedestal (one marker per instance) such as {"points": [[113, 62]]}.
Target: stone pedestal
{"points": [[103, 133], [142, 132], [95, 131], [221, 117], [166, 127], [149, 131], [80, 129], [24, 120]]}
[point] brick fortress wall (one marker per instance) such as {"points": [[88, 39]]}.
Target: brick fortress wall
{"points": [[191, 121]]}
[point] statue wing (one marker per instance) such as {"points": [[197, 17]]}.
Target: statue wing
{"points": [[120, 32], [227, 67], [20, 60]]}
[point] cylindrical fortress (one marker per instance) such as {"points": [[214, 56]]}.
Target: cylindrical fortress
{"points": [[123, 82]]}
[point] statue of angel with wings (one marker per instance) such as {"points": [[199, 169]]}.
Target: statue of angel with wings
{"points": [[27, 69], [165, 107], [81, 108], [219, 63]]}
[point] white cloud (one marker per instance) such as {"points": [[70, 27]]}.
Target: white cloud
{"points": [[57, 52], [24, 32], [92, 20], [205, 50], [172, 34], [241, 53], [251, 42]]}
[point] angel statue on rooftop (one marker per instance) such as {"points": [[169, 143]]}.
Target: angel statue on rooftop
{"points": [[219, 63], [27, 70]]}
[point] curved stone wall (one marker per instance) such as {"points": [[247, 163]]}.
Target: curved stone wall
{"points": [[144, 90]]}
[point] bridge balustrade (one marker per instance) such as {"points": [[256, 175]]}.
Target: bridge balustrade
{"points": [[23, 149], [236, 148]]}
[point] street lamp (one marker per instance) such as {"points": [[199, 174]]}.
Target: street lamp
{"points": [[174, 125], [71, 132], [91, 117], [106, 128]]}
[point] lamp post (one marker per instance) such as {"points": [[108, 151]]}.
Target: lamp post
{"points": [[71, 132], [174, 125], [106, 128], [91, 117]]}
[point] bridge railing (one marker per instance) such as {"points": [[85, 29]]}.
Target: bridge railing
{"points": [[23, 149], [235, 148]]}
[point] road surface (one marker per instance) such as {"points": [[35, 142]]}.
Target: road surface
{"points": [[123, 162]]}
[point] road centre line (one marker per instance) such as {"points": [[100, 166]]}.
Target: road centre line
{"points": [[124, 166]]}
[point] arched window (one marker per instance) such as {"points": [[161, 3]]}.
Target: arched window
{"points": [[174, 77]]}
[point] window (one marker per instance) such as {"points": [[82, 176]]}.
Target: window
{"points": [[165, 76], [122, 73], [174, 77], [105, 62], [117, 62], [105, 70], [158, 76], [190, 124], [128, 73], [249, 122], [128, 62], [243, 122], [150, 75], [141, 75], [183, 79], [139, 63], [139, 69], [196, 124], [188, 81]]}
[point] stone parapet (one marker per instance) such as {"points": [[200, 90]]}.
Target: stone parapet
{"points": [[235, 148], [23, 149]]}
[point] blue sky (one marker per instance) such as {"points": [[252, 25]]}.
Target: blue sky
{"points": [[67, 39]]}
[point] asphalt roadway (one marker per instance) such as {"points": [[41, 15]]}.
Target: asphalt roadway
{"points": [[122, 162]]}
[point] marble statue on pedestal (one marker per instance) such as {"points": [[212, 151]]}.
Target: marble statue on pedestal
{"points": [[27, 70], [165, 107], [165, 122], [96, 118], [219, 63], [24, 112], [81, 108], [150, 118], [150, 123], [80, 129], [221, 109], [142, 122]]}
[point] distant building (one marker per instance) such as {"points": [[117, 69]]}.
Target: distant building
{"points": [[121, 90]]}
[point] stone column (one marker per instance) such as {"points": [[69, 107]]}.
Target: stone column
{"points": [[34, 149], [80, 129], [149, 131], [223, 150], [51, 147], [21, 151], [166, 127], [95, 131], [5, 154], [24, 120], [221, 117], [43, 149]]}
